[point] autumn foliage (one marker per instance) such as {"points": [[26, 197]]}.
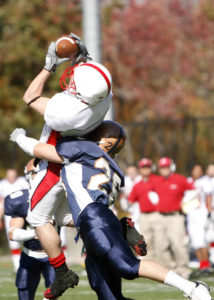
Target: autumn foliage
{"points": [[161, 57]]}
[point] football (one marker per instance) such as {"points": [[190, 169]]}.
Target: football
{"points": [[66, 47]]}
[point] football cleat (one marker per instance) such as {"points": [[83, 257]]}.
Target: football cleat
{"points": [[61, 284], [202, 273], [135, 240], [200, 292]]}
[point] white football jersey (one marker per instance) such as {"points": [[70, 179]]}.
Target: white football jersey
{"points": [[211, 180], [71, 116], [204, 186], [6, 188]]}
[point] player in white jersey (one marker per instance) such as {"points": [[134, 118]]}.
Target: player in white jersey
{"points": [[11, 183], [77, 110], [131, 178], [196, 221]]}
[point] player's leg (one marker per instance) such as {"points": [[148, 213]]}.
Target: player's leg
{"points": [[48, 272], [161, 241], [103, 237], [41, 210], [196, 229], [155, 271], [63, 218], [64, 278], [178, 243], [27, 277], [39, 216], [106, 283], [105, 240]]}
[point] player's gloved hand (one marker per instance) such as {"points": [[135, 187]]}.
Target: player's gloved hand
{"points": [[27, 144], [83, 52], [16, 133], [135, 240], [51, 59]]}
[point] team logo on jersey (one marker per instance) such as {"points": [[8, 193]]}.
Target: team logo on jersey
{"points": [[173, 186]]}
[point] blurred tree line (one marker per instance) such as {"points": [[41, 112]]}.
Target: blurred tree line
{"points": [[160, 54]]}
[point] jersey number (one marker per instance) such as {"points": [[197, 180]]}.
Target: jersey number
{"points": [[97, 181]]}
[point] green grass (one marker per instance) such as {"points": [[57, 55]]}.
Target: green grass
{"points": [[138, 289]]}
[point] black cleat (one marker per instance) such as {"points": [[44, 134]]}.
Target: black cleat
{"points": [[202, 273], [61, 284], [135, 240]]}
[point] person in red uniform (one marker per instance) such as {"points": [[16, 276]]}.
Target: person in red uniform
{"points": [[171, 238], [142, 193]]}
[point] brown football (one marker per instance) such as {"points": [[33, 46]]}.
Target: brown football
{"points": [[66, 47]]}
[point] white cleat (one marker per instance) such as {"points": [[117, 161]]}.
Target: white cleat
{"points": [[200, 292]]}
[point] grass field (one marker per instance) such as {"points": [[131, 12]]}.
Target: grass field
{"points": [[138, 289]]}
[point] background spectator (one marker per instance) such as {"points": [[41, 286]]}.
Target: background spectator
{"points": [[132, 176], [197, 220], [147, 200], [171, 235]]}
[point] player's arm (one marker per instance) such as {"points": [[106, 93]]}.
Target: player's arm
{"points": [[33, 95], [16, 231], [34, 148], [47, 152]]}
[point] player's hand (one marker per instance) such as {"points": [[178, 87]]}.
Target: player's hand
{"points": [[17, 132], [135, 240], [51, 59], [83, 52]]}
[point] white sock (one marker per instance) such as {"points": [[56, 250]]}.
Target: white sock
{"points": [[179, 282], [15, 260]]}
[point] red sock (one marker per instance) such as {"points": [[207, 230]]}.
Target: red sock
{"points": [[57, 261], [15, 251], [204, 264]]}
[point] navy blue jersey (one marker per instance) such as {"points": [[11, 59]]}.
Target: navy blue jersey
{"points": [[16, 205], [91, 175]]}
